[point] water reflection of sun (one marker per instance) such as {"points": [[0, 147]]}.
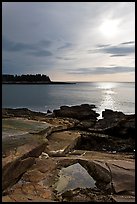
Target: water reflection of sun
{"points": [[106, 85], [107, 101], [108, 93]]}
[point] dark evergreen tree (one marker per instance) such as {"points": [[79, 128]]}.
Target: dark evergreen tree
{"points": [[25, 78]]}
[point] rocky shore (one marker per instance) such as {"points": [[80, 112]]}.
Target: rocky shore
{"points": [[68, 155]]}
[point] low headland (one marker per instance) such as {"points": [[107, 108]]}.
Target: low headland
{"points": [[68, 155], [30, 79]]}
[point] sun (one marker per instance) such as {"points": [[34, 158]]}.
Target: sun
{"points": [[109, 28]]}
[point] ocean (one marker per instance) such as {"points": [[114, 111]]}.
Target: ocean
{"points": [[118, 96]]}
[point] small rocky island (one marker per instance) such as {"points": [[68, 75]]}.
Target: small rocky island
{"points": [[29, 79], [68, 155]]}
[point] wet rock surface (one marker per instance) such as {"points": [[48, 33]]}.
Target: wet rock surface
{"points": [[68, 156]]}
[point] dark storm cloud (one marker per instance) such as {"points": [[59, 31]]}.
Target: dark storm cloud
{"points": [[101, 70], [13, 46]]}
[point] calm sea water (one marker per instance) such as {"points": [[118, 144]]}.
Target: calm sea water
{"points": [[115, 96]]}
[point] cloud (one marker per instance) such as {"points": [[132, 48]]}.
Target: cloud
{"points": [[66, 45], [119, 50], [127, 43], [117, 55], [44, 43], [48, 37], [9, 45], [66, 58], [41, 53], [103, 45], [101, 70], [122, 49]]}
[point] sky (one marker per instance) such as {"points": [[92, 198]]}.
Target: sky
{"points": [[69, 41]]}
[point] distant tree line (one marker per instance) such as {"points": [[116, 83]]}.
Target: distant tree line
{"points": [[25, 78]]}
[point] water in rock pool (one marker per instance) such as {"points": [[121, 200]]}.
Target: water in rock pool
{"points": [[72, 177]]}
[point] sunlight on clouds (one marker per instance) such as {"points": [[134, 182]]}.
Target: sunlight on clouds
{"points": [[56, 39], [109, 27], [123, 77]]}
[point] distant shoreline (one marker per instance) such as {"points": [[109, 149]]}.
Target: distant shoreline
{"points": [[29, 79], [39, 83]]}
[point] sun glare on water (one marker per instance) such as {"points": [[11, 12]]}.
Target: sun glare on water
{"points": [[109, 28]]}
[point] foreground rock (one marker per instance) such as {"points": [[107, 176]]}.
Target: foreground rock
{"points": [[81, 112], [114, 179], [68, 158], [17, 132], [13, 170], [103, 142], [20, 112], [116, 124]]}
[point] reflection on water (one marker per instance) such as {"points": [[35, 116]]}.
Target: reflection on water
{"points": [[106, 85], [44, 97], [109, 92], [107, 101]]}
